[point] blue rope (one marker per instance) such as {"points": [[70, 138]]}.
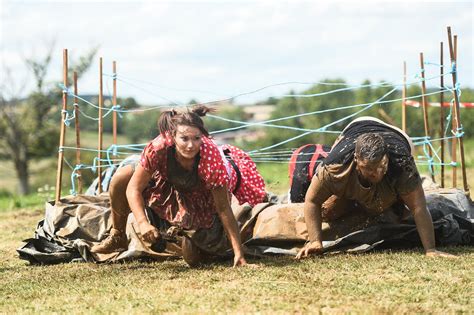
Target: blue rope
{"points": [[67, 118], [74, 175], [265, 123], [328, 125]]}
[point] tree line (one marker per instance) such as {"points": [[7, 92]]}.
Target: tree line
{"points": [[29, 126]]}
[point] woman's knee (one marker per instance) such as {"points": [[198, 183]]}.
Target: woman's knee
{"points": [[120, 180]]}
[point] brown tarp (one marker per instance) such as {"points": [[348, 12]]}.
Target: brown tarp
{"points": [[77, 222], [71, 227]]}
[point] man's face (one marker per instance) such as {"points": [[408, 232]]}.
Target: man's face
{"points": [[372, 172]]}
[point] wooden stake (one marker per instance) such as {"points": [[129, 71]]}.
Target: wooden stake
{"points": [[425, 111], [454, 141], [441, 112], [99, 154], [114, 103], [78, 134], [62, 133], [452, 52], [404, 95]]}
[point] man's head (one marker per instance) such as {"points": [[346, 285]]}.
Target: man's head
{"points": [[371, 157]]}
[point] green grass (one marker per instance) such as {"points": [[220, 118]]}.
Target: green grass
{"points": [[14, 202], [385, 282], [43, 171], [275, 175]]}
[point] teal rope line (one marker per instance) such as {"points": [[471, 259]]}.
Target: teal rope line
{"points": [[113, 149], [263, 123], [70, 94], [418, 162], [383, 84], [160, 86], [273, 152], [418, 143], [116, 108], [67, 163], [349, 87], [429, 158], [259, 124], [151, 93], [328, 125], [449, 117], [92, 150], [67, 118], [74, 176], [459, 132]]}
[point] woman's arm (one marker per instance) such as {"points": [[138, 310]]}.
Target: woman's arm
{"points": [[135, 188], [224, 211]]}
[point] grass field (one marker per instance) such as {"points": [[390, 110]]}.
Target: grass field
{"points": [[383, 282]]}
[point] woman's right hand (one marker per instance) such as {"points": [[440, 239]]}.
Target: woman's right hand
{"points": [[149, 232]]}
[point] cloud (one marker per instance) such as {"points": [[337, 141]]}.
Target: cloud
{"points": [[227, 47]]}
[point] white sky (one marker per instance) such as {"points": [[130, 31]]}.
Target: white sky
{"points": [[229, 47]]}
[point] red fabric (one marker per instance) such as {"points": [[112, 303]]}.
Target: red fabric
{"points": [[252, 185], [195, 209], [294, 157], [319, 151]]}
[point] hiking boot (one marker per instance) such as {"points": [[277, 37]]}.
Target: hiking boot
{"points": [[192, 255], [115, 242]]}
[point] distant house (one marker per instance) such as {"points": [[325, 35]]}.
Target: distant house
{"points": [[238, 136], [254, 113], [258, 112]]}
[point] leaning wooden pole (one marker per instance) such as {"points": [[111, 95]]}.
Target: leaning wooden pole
{"points": [[454, 141], [458, 114], [404, 96], [78, 134], [425, 113], [62, 133], [441, 111], [99, 153], [114, 103]]}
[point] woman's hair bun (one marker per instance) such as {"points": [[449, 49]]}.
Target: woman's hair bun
{"points": [[202, 110]]}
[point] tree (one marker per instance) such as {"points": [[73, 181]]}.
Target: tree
{"points": [[29, 126]]}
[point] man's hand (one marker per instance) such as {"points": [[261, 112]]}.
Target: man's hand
{"points": [[239, 261], [310, 248], [149, 232], [437, 253]]}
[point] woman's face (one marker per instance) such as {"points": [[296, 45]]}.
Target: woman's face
{"points": [[188, 141]]}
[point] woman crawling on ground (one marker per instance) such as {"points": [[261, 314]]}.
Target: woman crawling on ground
{"points": [[187, 181]]}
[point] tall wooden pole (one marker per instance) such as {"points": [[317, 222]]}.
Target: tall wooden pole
{"points": [[425, 111], [114, 103], [452, 53], [404, 95], [454, 141], [99, 154], [78, 134], [441, 111], [62, 133]]}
